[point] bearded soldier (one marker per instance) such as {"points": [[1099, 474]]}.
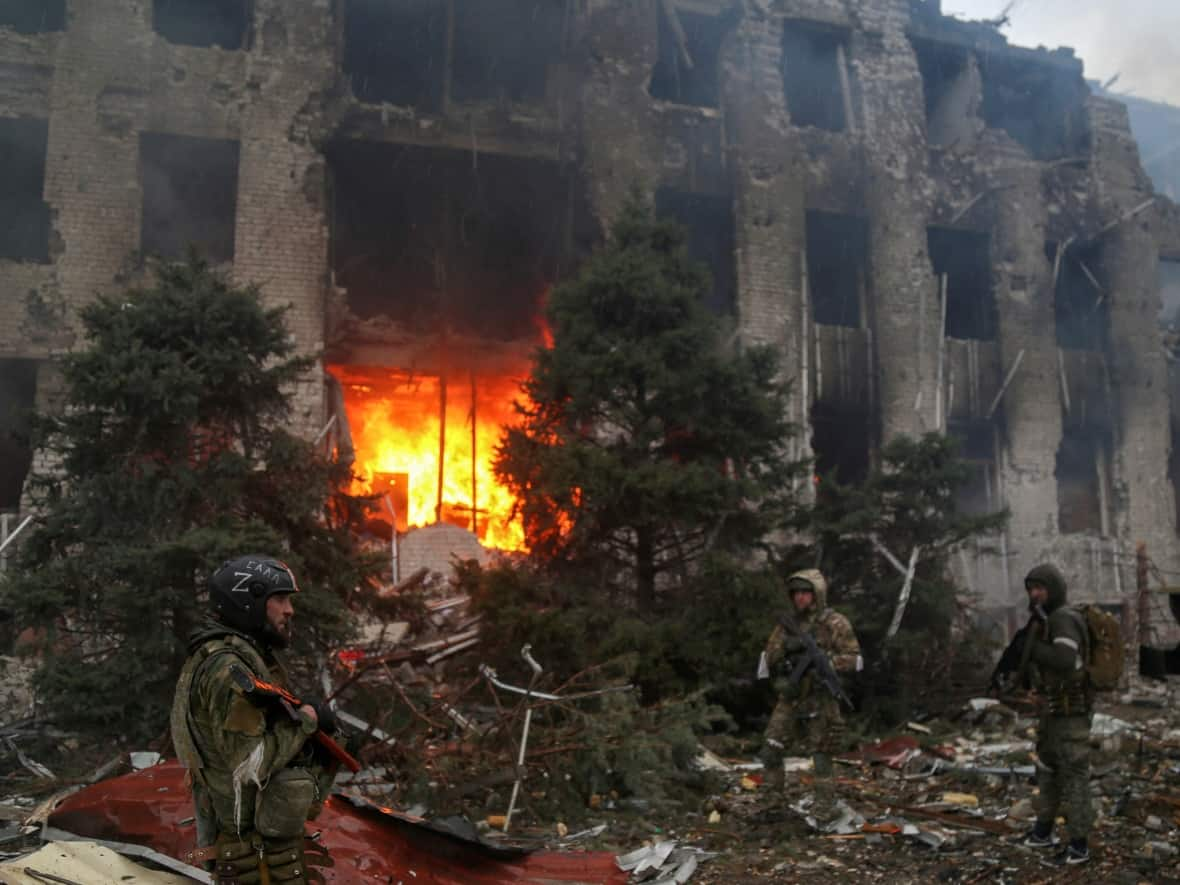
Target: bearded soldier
{"points": [[254, 777], [1059, 647], [807, 717]]}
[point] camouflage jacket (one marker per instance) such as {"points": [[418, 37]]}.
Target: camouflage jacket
{"points": [[230, 746], [832, 631]]}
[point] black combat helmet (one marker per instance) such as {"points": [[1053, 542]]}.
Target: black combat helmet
{"points": [[239, 589]]}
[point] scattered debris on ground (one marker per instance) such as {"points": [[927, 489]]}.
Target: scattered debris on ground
{"points": [[532, 780]]}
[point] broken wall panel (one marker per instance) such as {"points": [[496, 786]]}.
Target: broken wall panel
{"points": [[1081, 308], [396, 52], [963, 257], [190, 188], [1041, 105], [708, 220], [33, 16], [815, 74], [223, 23], [686, 71], [503, 50], [18, 391], [837, 268], [426, 238], [24, 219]]}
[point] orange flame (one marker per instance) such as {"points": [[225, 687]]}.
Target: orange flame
{"points": [[394, 420]]}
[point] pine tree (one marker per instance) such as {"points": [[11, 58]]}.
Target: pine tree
{"points": [[910, 498], [648, 439], [171, 459]]}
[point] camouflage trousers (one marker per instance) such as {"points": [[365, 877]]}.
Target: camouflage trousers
{"points": [[1063, 748], [809, 726]]}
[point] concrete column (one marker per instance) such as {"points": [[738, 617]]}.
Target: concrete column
{"points": [[769, 195], [906, 309], [1030, 410]]}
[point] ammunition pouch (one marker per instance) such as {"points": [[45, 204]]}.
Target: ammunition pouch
{"points": [[284, 804], [255, 860]]}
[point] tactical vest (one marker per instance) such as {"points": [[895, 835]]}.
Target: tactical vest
{"points": [[1069, 694]]}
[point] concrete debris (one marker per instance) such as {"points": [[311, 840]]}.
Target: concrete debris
{"points": [[144, 759]]}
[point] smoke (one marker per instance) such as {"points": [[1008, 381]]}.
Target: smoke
{"points": [[1137, 39]]}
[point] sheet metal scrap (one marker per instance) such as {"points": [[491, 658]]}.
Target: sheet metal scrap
{"points": [[662, 863], [367, 842]]}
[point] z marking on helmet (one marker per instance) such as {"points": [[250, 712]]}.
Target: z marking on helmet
{"points": [[238, 588]]}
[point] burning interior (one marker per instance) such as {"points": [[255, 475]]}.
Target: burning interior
{"points": [[445, 258]]}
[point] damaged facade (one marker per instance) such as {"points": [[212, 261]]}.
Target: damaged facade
{"points": [[938, 231]]}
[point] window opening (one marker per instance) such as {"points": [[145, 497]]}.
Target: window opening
{"points": [[396, 52], [689, 51], [33, 16], [18, 388], [1083, 480], [224, 23], [709, 221], [964, 258], [503, 50], [1080, 304], [1041, 106], [837, 262], [949, 91], [24, 221], [840, 440], [814, 75], [979, 493], [190, 188]]}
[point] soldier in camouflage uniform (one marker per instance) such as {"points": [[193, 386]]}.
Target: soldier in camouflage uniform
{"points": [[807, 718], [1060, 648], [254, 777]]}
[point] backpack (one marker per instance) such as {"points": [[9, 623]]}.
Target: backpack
{"points": [[1104, 663]]}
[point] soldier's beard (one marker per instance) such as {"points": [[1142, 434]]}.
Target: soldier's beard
{"points": [[276, 638]]}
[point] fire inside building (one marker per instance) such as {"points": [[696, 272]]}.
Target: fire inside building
{"points": [[937, 231]]}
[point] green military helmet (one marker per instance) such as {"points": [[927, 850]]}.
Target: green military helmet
{"points": [[238, 590]]}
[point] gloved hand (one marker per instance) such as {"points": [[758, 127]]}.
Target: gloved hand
{"points": [[793, 645], [326, 718]]}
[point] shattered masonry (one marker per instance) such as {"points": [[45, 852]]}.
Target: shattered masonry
{"points": [[404, 174]]}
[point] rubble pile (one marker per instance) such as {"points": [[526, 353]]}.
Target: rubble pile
{"points": [[950, 800]]}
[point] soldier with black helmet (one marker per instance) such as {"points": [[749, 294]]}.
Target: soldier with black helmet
{"points": [[255, 780]]}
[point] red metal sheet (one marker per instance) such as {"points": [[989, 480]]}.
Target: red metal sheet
{"points": [[893, 752], [152, 807]]}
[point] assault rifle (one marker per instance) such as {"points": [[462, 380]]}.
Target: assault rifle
{"points": [[813, 658], [256, 689]]}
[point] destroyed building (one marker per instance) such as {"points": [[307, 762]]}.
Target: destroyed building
{"points": [[938, 231]]}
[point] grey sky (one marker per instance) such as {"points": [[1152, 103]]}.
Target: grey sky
{"points": [[1139, 38]]}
